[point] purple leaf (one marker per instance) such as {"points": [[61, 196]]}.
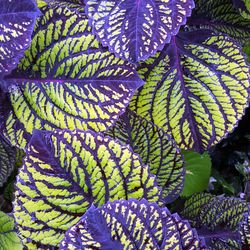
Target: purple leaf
{"points": [[66, 79], [131, 224], [64, 172], [196, 89], [17, 19], [134, 30]]}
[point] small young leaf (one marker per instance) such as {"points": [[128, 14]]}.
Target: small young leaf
{"points": [[131, 224], [156, 149], [8, 238], [197, 88], [198, 168], [134, 30], [64, 172], [17, 20], [7, 160], [66, 79]]}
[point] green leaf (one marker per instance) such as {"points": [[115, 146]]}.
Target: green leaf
{"points": [[66, 79], [197, 88], [8, 238], [156, 148], [198, 168], [65, 172]]}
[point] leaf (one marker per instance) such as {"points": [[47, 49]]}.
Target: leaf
{"points": [[212, 211], [220, 16], [197, 88], [134, 30], [8, 238], [131, 224], [7, 160], [66, 79], [245, 231], [198, 168], [156, 149], [219, 218], [17, 20], [64, 172]]}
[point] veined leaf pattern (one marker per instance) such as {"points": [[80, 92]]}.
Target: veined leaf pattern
{"points": [[64, 172], [197, 88], [17, 20], [156, 148], [134, 30], [66, 79], [131, 224]]}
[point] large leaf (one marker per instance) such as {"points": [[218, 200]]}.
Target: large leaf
{"points": [[220, 16], [198, 168], [8, 237], [197, 88], [134, 30], [64, 172], [17, 20], [66, 79], [220, 220], [156, 149], [131, 224], [7, 160]]}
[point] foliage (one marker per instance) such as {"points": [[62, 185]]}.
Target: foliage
{"points": [[123, 108]]}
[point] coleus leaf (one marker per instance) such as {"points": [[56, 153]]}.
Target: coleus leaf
{"points": [[9, 239], [17, 20], [197, 88], [220, 16], [244, 7], [198, 168], [245, 231], [156, 149], [64, 172], [134, 30], [219, 219], [131, 224], [66, 79], [7, 160]]}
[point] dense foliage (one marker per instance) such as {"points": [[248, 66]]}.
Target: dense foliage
{"points": [[124, 124]]}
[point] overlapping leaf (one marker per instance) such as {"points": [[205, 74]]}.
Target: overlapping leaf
{"points": [[245, 231], [7, 160], [131, 224], [197, 88], [156, 149], [221, 16], [134, 30], [221, 219], [8, 237], [66, 79], [17, 20], [198, 169], [66, 171]]}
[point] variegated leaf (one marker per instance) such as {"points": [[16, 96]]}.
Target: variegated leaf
{"points": [[7, 160], [131, 224], [156, 149], [220, 16], [66, 79], [9, 239], [197, 88], [134, 30], [17, 20], [64, 172]]}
